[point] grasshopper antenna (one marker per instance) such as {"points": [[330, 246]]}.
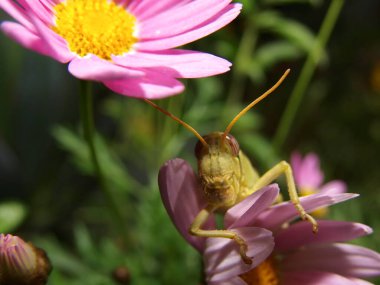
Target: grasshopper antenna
{"points": [[187, 126], [246, 109]]}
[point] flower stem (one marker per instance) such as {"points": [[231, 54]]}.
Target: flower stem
{"points": [[242, 59], [87, 118], [306, 74]]}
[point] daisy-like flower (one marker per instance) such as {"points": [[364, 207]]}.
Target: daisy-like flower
{"points": [[126, 44], [254, 218], [301, 257], [21, 263], [309, 178]]}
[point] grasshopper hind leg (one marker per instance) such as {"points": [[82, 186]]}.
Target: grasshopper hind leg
{"points": [[201, 218]]}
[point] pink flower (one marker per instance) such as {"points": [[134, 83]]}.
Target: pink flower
{"points": [[127, 45], [22, 263], [324, 258], [253, 218], [309, 177], [301, 257]]}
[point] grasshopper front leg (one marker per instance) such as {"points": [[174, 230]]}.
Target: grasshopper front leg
{"points": [[284, 168], [201, 218]]}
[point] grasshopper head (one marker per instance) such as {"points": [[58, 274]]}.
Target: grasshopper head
{"points": [[218, 168], [217, 144]]}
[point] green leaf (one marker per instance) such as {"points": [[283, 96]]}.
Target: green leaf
{"points": [[271, 53], [84, 242], [251, 121], [256, 72], [60, 257], [68, 268], [11, 216], [295, 32], [112, 167], [248, 6], [72, 143]]}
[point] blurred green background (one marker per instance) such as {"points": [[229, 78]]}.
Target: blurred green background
{"points": [[47, 190]]}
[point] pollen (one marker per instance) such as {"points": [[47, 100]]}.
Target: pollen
{"points": [[263, 274], [98, 27]]}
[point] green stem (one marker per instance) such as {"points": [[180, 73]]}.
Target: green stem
{"points": [[87, 118], [306, 74], [242, 60]]}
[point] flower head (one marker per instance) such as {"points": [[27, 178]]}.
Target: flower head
{"points": [[127, 45], [254, 218], [309, 178], [301, 257], [21, 263]]}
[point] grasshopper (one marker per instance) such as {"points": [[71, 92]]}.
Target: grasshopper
{"points": [[227, 176]]}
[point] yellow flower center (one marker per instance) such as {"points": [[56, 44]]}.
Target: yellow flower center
{"points": [[263, 274], [98, 27], [305, 191], [319, 213]]}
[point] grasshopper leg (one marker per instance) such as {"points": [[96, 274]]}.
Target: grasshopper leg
{"points": [[201, 218], [284, 168]]}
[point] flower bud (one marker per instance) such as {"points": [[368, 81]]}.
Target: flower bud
{"points": [[22, 263], [121, 275]]}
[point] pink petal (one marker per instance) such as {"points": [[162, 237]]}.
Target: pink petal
{"points": [[94, 68], [358, 281], [50, 4], [176, 20], [236, 280], [242, 214], [40, 10], [24, 37], [45, 40], [307, 172], [334, 187], [185, 63], [312, 170], [181, 195], [157, 83], [212, 25], [296, 163], [223, 261], [18, 13], [344, 259], [143, 9], [299, 234], [284, 212], [313, 277], [57, 45]]}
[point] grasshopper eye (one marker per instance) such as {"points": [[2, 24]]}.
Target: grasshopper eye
{"points": [[233, 144], [200, 150]]}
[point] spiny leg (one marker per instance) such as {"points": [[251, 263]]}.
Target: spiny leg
{"points": [[201, 218], [284, 168]]}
